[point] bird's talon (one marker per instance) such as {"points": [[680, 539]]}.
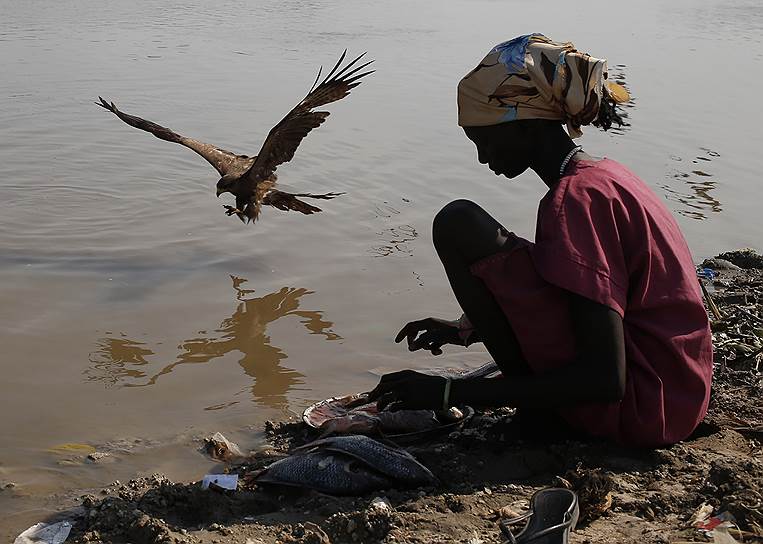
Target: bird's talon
{"points": [[230, 210]]}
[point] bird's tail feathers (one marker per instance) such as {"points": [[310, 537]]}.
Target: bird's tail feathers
{"points": [[251, 213], [291, 201]]}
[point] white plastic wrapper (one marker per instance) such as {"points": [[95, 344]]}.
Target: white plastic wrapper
{"points": [[226, 481], [42, 533]]}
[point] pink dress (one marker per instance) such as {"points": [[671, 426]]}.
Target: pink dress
{"points": [[603, 234]]}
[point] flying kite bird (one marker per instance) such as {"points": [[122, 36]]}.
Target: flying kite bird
{"points": [[252, 180]]}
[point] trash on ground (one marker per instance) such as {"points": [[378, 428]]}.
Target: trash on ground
{"points": [[706, 273], [380, 504], [43, 533], [701, 515], [475, 539], [225, 481], [72, 447], [722, 520], [221, 449], [721, 536]]}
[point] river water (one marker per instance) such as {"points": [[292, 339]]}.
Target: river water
{"points": [[135, 316]]}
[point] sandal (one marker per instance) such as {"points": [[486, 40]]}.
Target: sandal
{"points": [[553, 514]]}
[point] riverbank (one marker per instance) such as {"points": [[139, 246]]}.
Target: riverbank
{"points": [[486, 472]]}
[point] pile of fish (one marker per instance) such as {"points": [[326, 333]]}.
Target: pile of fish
{"points": [[344, 460], [347, 465], [354, 414]]}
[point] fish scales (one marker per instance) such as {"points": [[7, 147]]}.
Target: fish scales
{"points": [[325, 471], [397, 464], [352, 423], [408, 421]]}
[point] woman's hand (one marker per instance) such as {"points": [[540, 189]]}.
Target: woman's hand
{"points": [[408, 390], [430, 334]]}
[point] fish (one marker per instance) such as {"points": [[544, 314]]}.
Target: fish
{"points": [[325, 471], [355, 414], [407, 421], [359, 422], [394, 463], [388, 422]]}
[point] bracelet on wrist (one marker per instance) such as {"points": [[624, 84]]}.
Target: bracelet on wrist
{"points": [[446, 394]]}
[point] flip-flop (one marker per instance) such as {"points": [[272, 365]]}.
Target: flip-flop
{"points": [[553, 514]]}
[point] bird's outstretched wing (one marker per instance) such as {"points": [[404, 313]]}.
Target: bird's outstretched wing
{"points": [[284, 138], [219, 158]]}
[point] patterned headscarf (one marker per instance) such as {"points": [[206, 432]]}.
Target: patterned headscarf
{"points": [[532, 77]]}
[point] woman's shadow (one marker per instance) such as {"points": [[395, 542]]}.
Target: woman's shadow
{"points": [[120, 360]]}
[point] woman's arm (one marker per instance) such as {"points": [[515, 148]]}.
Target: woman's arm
{"points": [[596, 375]]}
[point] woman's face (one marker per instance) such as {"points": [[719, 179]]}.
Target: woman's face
{"points": [[505, 148]]}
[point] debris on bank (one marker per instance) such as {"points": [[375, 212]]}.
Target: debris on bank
{"points": [[41, 533]]}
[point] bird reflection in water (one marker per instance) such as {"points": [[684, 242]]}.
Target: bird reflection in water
{"points": [[120, 360]]}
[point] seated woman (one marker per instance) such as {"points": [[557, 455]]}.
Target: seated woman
{"points": [[601, 319]]}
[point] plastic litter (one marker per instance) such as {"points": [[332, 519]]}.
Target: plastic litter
{"points": [[701, 515], [721, 536], [724, 520], [225, 481], [380, 504], [706, 273], [220, 448], [715, 527], [72, 448], [43, 533], [475, 539]]}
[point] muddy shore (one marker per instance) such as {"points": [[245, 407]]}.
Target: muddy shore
{"points": [[486, 470]]}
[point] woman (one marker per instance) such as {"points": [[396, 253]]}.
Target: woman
{"points": [[601, 319]]}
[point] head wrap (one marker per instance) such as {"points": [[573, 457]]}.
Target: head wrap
{"points": [[533, 77]]}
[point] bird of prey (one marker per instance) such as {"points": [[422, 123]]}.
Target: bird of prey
{"points": [[252, 180]]}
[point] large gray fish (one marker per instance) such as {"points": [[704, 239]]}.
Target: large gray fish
{"points": [[395, 463], [325, 471]]}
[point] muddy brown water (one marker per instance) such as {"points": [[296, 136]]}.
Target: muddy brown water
{"points": [[135, 316]]}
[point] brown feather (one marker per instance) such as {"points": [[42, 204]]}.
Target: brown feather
{"points": [[284, 138], [222, 160], [287, 201]]}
